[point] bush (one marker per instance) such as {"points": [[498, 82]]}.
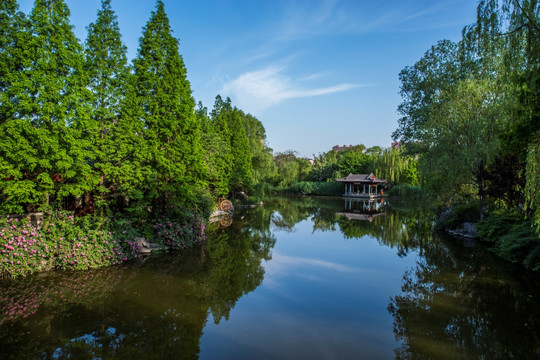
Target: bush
{"points": [[64, 242], [331, 188], [453, 217], [514, 238], [262, 190], [182, 232], [407, 192]]}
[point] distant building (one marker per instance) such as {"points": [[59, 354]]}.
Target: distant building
{"points": [[395, 145], [339, 148]]}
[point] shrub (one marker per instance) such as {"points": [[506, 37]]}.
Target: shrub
{"points": [[407, 192], [23, 250], [452, 218], [180, 232], [514, 238], [262, 190], [64, 242], [330, 188]]}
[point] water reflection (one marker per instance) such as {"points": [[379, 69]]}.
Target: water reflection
{"points": [[458, 301], [455, 301], [154, 309]]}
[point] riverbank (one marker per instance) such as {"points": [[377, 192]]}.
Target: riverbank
{"points": [[509, 234], [62, 241]]}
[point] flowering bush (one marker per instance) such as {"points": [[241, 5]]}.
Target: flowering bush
{"points": [[183, 232], [23, 250], [63, 243], [66, 242]]}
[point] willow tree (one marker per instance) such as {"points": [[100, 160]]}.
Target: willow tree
{"points": [[108, 77], [166, 107], [532, 187]]}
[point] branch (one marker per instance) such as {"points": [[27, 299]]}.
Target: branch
{"points": [[534, 26]]}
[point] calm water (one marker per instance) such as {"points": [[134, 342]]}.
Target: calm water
{"points": [[305, 278]]}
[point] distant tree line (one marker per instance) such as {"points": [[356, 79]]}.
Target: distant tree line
{"points": [[84, 130]]}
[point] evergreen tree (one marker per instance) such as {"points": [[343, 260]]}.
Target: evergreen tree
{"points": [[14, 190], [106, 63], [12, 43], [46, 138], [242, 175], [236, 165], [216, 155], [163, 95]]}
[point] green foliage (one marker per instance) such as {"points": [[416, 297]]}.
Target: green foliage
{"points": [[242, 169], [514, 238], [48, 110], [453, 217], [408, 192], [64, 242], [354, 163], [108, 78], [532, 187], [166, 107], [313, 188], [181, 232], [261, 155]]}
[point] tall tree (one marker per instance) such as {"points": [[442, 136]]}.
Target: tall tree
{"points": [[217, 154], [163, 95], [14, 191], [48, 130], [13, 36], [242, 171], [261, 155], [108, 73]]}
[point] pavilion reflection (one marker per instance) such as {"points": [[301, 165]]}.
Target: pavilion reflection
{"points": [[363, 209]]}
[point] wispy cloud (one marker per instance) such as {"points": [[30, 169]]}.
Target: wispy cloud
{"points": [[260, 89], [284, 265], [328, 17]]}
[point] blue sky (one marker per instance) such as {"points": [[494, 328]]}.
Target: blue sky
{"points": [[317, 73]]}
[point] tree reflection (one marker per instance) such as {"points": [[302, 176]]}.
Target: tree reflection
{"points": [[452, 302], [457, 302], [155, 309]]}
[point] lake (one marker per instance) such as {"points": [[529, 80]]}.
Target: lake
{"points": [[297, 278]]}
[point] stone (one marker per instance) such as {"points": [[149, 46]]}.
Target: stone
{"points": [[142, 242]]}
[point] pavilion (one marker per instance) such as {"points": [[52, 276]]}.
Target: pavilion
{"points": [[362, 185]]}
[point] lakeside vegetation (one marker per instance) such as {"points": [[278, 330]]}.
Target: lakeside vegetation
{"points": [[121, 146], [470, 112], [128, 151]]}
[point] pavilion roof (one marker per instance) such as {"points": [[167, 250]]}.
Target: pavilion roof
{"points": [[361, 178]]}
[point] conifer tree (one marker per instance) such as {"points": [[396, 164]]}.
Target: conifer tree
{"points": [[163, 95], [220, 145], [48, 130], [236, 165], [108, 72], [216, 154], [14, 190], [242, 175]]}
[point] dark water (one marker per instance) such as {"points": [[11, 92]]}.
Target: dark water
{"points": [[305, 278]]}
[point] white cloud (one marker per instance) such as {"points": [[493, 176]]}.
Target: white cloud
{"points": [[257, 90], [330, 17], [283, 266]]}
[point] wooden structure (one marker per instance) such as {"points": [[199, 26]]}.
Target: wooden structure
{"points": [[362, 185]]}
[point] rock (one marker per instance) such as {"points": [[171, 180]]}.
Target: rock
{"points": [[470, 230], [142, 242], [467, 230]]}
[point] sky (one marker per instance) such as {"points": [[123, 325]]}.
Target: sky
{"points": [[316, 73]]}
